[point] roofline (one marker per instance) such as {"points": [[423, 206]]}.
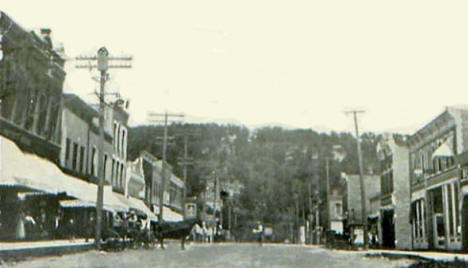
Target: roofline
{"points": [[428, 124]]}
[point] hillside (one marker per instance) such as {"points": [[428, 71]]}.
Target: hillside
{"points": [[275, 165]]}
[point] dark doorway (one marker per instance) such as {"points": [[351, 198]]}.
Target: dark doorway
{"points": [[465, 223], [388, 229]]}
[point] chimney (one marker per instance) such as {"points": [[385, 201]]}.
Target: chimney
{"points": [[45, 33]]}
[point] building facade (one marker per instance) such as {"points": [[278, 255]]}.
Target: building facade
{"points": [[135, 182], [31, 76], [173, 188], [393, 155], [435, 177], [352, 202], [80, 143], [336, 209]]}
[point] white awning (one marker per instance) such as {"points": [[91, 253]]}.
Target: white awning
{"points": [[443, 151], [31, 171], [170, 215], [137, 204]]}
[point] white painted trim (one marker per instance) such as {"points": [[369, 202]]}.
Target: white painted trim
{"points": [[418, 195], [442, 183], [464, 190]]}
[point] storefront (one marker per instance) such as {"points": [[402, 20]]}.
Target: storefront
{"points": [[444, 215]]}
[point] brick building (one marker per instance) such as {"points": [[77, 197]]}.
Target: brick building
{"points": [[393, 155], [31, 81], [438, 181]]}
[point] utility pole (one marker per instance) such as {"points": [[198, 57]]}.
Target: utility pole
{"points": [[328, 193], [361, 176], [317, 216], [310, 213], [185, 161], [101, 62], [154, 118], [215, 192]]}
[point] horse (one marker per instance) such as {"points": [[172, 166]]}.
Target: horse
{"points": [[175, 230]]}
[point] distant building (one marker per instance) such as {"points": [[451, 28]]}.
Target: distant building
{"points": [[393, 154], [373, 223], [135, 182], [172, 196], [352, 202], [31, 76], [80, 142], [336, 208], [339, 153], [438, 181]]}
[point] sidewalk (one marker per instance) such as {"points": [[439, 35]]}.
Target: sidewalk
{"points": [[421, 255], [23, 249]]}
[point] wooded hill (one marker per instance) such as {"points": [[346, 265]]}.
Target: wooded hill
{"points": [[275, 165]]}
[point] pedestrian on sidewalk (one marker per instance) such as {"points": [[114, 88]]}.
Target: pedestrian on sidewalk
{"points": [[90, 228], [20, 231]]}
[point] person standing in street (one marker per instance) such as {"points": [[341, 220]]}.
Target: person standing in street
{"points": [[259, 231]]}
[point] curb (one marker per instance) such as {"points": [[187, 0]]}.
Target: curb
{"points": [[21, 253]]}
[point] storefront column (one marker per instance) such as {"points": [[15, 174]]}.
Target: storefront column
{"points": [[418, 221], [423, 227], [454, 213], [446, 214]]}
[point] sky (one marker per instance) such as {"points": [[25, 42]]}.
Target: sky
{"points": [[259, 62]]}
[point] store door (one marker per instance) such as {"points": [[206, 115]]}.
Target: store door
{"points": [[388, 229]]}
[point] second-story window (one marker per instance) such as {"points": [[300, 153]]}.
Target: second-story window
{"points": [[121, 175], [94, 162], [105, 166], [338, 209], [124, 143], [75, 156], [82, 167], [67, 152], [113, 172], [116, 134]]}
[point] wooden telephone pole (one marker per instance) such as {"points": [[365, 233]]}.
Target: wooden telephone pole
{"points": [[156, 118], [361, 176], [101, 62], [185, 161], [328, 193]]}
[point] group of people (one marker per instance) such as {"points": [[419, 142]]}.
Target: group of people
{"points": [[207, 232], [31, 225]]}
